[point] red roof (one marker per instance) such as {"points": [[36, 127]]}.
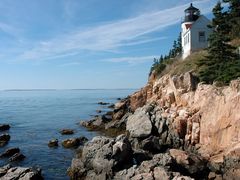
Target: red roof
{"points": [[188, 26]]}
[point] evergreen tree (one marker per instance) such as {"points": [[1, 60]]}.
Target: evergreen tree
{"points": [[161, 58], [221, 59], [179, 44], [234, 17], [170, 54], [174, 51]]}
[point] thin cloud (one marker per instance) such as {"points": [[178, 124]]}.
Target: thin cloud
{"points": [[70, 64], [8, 29], [131, 60], [110, 36], [141, 41]]}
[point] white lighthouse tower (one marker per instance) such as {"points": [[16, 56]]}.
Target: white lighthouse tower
{"points": [[194, 31]]}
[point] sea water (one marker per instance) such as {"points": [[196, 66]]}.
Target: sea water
{"points": [[37, 116]]}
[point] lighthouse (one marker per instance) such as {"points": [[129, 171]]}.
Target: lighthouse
{"points": [[194, 31]]}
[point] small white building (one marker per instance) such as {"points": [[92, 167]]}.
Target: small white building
{"points": [[194, 31]]}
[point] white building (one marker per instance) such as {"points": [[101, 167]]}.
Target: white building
{"points": [[194, 31]]}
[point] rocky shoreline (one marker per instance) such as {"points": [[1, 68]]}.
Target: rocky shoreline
{"points": [[8, 172], [160, 135], [173, 128]]}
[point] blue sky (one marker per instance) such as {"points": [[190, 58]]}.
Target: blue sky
{"points": [[65, 44]]}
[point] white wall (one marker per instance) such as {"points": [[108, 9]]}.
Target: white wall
{"points": [[186, 42], [199, 26], [194, 44]]}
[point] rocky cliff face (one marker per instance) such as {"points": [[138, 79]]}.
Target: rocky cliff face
{"points": [[207, 116], [175, 128]]}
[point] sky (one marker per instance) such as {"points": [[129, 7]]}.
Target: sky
{"points": [[79, 44]]}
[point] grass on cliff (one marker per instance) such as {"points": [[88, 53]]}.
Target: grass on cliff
{"points": [[177, 66]]}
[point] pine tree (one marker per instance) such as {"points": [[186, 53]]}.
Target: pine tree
{"points": [[234, 17], [174, 51], [220, 59], [161, 58], [179, 44]]}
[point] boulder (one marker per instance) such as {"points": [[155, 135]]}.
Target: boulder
{"points": [[98, 123], [53, 143], [10, 152], [101, 156], [21, 173], [103, 103], [70, 143], [139, 124], [67, 131], [4, 127], [192, 163], [17, 157], [74, 142], [4, 138]]}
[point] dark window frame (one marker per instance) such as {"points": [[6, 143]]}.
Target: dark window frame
{"points": [[202, 36]]}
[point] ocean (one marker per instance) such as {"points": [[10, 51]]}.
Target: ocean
{"points": [[37, 116]]}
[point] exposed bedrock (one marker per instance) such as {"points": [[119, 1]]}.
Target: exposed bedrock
{"points": [[197, 125]]}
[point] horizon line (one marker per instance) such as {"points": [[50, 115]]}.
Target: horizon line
{"points": [[71, 89]]}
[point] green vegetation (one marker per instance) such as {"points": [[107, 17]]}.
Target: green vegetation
{"points": [[233, 17], [221, 64], [160, 64]]}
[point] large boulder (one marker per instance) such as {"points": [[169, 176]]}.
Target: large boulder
{"points": [[21, 173], [152, 130], [139, 124], [101, 157]]}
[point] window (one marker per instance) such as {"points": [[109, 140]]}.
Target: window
{"points": [[202, 37]]}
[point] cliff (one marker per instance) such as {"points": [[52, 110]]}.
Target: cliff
{"points": [[208, 116], [173, 128]]}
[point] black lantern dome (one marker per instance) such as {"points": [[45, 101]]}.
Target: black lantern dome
{"points": [[191, 14]]}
